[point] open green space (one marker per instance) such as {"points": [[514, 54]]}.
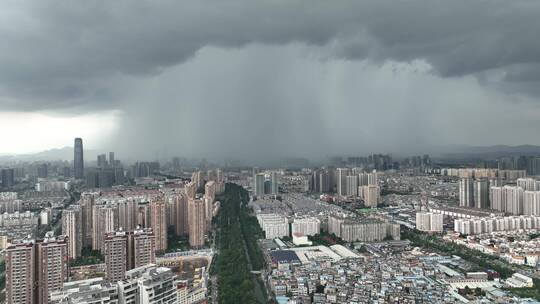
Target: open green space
{"points": [[235, 281]]}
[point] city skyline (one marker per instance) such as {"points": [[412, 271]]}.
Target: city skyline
{"points": [[290, 86]]}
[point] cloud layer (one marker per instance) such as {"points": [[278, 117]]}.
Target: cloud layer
{"points": [[283, 77]]}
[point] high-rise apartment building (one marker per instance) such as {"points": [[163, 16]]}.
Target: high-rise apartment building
{"points": [[87, 218], [103, 221], [115, 245], [72, 228], [197, 222], [52, 262], [427, 221], [514, 199], [191, 190], [481, 194], [208, 213], [78, 160], [273, 225], [342, 174], [370, 195], [531, 202], [181, 214], [196, 177], [127, 214], [274, 178], [141, 248], [34, 269], [466, 192], [8, 178], [528, 184], [210, 190], [158, 222], [259, 180], [125, 250], [306, 226], [20, 274], [497, 198], [352, 185], [321, 181]]}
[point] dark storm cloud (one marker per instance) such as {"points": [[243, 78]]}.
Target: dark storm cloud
{"points": [[59, 54], [267, 79]]}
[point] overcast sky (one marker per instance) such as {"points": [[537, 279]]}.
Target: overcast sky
{"points": [[265, 79]]}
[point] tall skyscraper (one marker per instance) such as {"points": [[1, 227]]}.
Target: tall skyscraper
{"points": [[158, 222], [466, 192], [20, 274], [196, 222], [72, 228], [78, 160], [51, 266]]}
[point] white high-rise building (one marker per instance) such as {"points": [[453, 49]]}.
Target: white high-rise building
{"points": [[481, 194], [371, 195], [373, 179], [497, 198], [274, 177], [352, 185], [273, 225], [342, 174], [528, 184], [72, 228], [427, 221], [531, 202], [363, 179], [514, 199], [466, 197]]}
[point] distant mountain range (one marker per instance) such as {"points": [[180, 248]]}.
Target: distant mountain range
{"points": [[446, 151], [56, 154]]}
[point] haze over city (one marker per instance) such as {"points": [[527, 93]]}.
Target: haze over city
{"points": [[268, 79]]}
